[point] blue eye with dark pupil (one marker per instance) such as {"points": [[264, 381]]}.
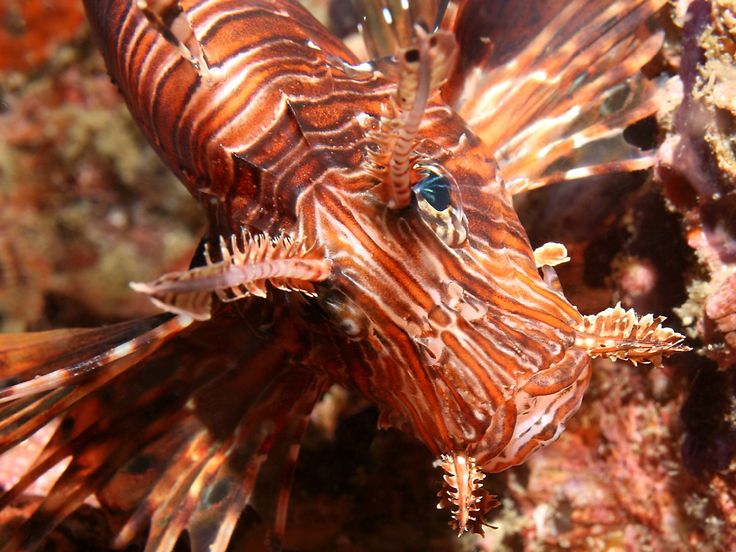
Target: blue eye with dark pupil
{"points": [[435, 188]]}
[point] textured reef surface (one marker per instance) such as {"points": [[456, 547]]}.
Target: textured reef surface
{"points": [[649, 463]]}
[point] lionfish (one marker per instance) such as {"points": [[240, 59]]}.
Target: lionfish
{"points": [[360, 232]]}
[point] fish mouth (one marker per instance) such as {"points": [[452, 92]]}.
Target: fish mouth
{"points": [[532, 417]]}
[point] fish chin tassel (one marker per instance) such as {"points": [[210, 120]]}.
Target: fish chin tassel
{"points": [[463, 492]]}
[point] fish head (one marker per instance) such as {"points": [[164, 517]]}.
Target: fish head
{"points": [[455, 333]]}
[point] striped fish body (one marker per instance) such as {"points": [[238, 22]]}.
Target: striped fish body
{"points": [[462, 344], [231, 138]]}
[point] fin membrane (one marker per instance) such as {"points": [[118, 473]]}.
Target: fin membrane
{"points": [[173, 435], [550, 86]]}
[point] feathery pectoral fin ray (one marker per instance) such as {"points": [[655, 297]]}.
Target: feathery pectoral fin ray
{"points": [[244, 270]]}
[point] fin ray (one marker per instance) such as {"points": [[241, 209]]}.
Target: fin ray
{"points": [[546, 86]]}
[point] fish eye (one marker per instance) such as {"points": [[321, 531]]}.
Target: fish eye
{"points": [[439, 205], [435, 189]]}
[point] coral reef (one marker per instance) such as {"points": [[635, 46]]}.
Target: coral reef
{"points": [[647, 464], [83, 199]]}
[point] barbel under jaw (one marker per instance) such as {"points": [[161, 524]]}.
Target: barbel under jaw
{"points": [[463, 492]]}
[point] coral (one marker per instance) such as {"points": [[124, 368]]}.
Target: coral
{"points": [[612, 481], [31, 32], [83, 199], [648, 463]]}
